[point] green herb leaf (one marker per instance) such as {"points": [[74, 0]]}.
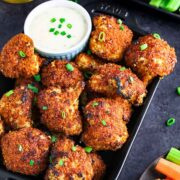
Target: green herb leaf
{"points": [[69, 36], [62, 20], [143, 47], [103, 122], [60, 26], [69, 26], [122, 68], [9, 93], [53, 139], [94, 104], [44, 108], [73, 148], [88, 149], [37, 77], [61, 162], [63, 33], [33, 88], [22, 54], [31, 162], [63, 114], [53, 20], [56, 33], [51, 29], [69, 67]]}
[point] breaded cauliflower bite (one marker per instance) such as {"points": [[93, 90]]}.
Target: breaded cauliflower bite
{"points": [[87, 62], [114, 80], [62, 74], [59, 110], [17, 58], [105, 129], [15, 107], [69, 162], [110, 38], [2, 128], [98, 166], [25, 151], [156, 59]]}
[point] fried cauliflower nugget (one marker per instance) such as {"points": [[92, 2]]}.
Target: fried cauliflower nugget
{"points": [[57, 74], [17, 58], [2, 128], [114, 80], [87, 62], [59, 110], [98, 166], [69, 162], [105, 129], [15, 107], [116, 38], [158, 59], [25, 151]]}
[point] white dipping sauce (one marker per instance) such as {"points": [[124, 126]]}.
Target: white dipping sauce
{"points": [[41, 25]]}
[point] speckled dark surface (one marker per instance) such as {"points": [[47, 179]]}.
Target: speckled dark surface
{"points": [[154, 138]]}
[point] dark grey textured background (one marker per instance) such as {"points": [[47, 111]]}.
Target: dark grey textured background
{"points": [[154, 138]]}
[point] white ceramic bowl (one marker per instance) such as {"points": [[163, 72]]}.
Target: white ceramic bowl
{"points": [[72, 52]]}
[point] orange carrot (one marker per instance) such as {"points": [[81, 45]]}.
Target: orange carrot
{"points": [[168, 168]]}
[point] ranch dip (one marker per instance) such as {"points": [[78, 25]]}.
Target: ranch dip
{"points": [[57, 29]]}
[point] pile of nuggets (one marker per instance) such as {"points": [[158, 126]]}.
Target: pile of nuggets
{"points": [[91, 97]]}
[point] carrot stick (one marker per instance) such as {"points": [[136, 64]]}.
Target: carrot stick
{"points": [[168, 168]]}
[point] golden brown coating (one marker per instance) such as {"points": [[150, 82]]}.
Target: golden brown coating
{"points": [[15, 109], [60, 109], [113, 80], [105, 129], [116, 39], [98, 166], [25, 151], [14, 65], [158, 59], [87, 62], [56, 74], [2, 128], [67, 163]]}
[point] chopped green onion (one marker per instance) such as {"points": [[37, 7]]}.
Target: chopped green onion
{"points": [[56, 33], [44, 108], [53, 139], [62, 20], [94, 104], [33, 88], [20, 148], [122, 68], [69, 36], [89, 52], [63, 114], [178, 90], [31, 162], [63, 33], [103, 122], [119, 21], [101, 37], [53, 20], [37, 77], [69, 26], [9, 93], [131, 79], [143, 47], [22, 54], [51, 29], [157, 36], [73, 148], [61, 162], [122, 27], [69, 67], [155, 3], [60, 26], [88, 149], [174, 156], [170, 122]]}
